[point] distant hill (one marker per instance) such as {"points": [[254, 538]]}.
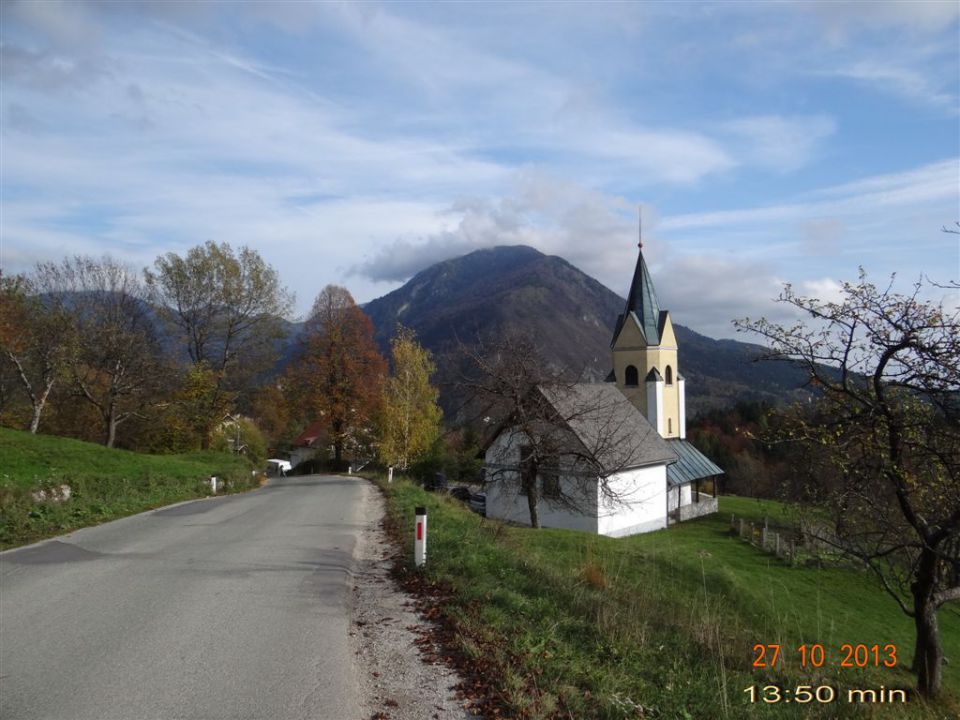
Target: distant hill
{"points": [[519, 289]]}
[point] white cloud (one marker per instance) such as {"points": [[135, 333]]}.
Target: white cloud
{"points": [[908, 82], [380, 138], [843, 18], [778, 143], [933, 183]]}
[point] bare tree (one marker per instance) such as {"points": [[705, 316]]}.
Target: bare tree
{"points": [[574, 438], [227, 307], [33, 340], [114, 361], [888, 432]]}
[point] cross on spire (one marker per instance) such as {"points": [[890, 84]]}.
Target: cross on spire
{"points": [[640, 231]]}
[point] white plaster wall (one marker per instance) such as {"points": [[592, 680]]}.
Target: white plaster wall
{"points": [[505, 502], [301, 454], [655, 405], [638, 504], [682, 390], [684, 495]]}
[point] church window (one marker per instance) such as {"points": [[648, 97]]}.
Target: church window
{"points": [[669, 375], [632, 377]]}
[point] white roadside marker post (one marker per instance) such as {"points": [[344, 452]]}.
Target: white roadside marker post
{"points": [[213, 484], [390, 474], [420, 538]]}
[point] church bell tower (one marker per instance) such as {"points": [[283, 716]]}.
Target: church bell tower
{"points": [[644, 350]]}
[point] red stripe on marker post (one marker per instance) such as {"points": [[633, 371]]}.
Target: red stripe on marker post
{"points": [[420, 538]]}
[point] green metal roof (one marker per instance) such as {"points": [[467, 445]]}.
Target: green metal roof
{"points": [[642, 300], [692, 464]]}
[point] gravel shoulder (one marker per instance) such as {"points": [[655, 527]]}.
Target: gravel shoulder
{"points": [[399, 677]]}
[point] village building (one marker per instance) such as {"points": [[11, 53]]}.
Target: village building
{"points": [[624, 464], [310, 443]]}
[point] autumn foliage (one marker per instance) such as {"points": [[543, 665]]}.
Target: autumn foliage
{"points": [[339, 373]]}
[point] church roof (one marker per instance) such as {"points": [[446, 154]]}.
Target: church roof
{"points": [[642, 302], [608, 426], [693, 465]]}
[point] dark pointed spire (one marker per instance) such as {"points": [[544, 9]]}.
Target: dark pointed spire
{"points": [[642, 298]]}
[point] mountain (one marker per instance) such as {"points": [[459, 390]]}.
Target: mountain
{"points": [[518, 289]]}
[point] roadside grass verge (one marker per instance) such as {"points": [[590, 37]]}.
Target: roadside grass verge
{"points": [[661, 625], [105, 484]]}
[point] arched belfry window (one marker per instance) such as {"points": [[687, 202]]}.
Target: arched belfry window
{"points": [[631, 377], [669, 376]]}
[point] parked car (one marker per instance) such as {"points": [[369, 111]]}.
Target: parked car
{"points": [[438, 483], [478, 503], [277, 466], [461, 492]]}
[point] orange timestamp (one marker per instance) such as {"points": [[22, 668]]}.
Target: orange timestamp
{"points": [[815, 655]]}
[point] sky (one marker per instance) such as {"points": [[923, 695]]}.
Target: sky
{"points": [[359, 143]]}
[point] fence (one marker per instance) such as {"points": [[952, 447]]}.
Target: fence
{"points": [[808, 543], [780, 542]]}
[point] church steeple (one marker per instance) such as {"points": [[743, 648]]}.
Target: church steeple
{"points": [[644, 354], [642, 300]]}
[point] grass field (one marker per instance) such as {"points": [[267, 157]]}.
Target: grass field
{"points": [[105, 483], [661, 625]]}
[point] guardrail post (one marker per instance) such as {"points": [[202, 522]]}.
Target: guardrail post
{"points": [[390, 474], [420, 537], [213, 484]]}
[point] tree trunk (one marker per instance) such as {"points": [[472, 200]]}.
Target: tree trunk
{"points": [[111, 430], [35, 422], [532, 505], [928, 657], [337, 453], [528, 481]]}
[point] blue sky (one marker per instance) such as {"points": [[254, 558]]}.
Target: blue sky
{"points": [[359, 143]]}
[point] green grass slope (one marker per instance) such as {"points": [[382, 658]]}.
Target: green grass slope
{"points": [[661, 625], [105, 483]]}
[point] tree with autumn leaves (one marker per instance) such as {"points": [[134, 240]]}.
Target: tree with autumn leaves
{"points": [[339, 373], [410, 421], [340, 378]]}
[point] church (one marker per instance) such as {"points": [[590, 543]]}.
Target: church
{"points": [[626, 466]]}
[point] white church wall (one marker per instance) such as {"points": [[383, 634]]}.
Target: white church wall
{"points": [[505, 502], [655, 404], [680, 495], [682, 392], [638, 502]]}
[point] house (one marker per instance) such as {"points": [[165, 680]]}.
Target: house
{"points": [[308, 443], [608, 466], [622, 464]]}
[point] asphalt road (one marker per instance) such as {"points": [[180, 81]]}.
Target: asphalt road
{"points": [[233, 607]]}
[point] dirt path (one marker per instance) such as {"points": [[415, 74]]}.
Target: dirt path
{"points": [[399, 680]]}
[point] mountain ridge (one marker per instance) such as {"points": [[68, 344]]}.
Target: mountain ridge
{"points": [[494, 291]]}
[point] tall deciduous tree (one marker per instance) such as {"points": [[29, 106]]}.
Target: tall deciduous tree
{"points": [[33, 340], [227, 307], [115, 361], [888, 432], [339, 373], [411, 417]]}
